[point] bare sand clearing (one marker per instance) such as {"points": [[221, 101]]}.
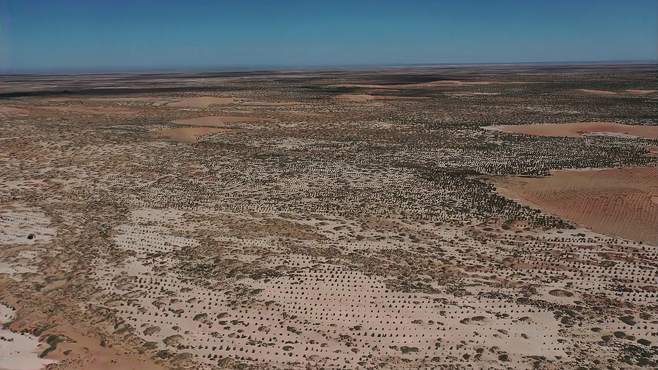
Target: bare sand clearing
{"points": [[135, 100], [187, 134], [201, 102], [580, 129], [168, 101], [196, 128], [616, 202], [424, 84], [474, 93], [218, 121], [597, 92], [7, 111], [356, 97], [611, 93], [641, 92], [88, 110], [653, 151], [361, 98], [18, 351]]}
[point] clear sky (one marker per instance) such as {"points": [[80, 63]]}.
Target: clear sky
{"points": [[89, 35]]}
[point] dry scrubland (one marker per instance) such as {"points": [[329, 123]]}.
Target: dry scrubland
{"points": [[395, 218]]}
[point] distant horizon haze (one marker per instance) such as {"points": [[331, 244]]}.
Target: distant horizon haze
{"points": [[303, 68]]}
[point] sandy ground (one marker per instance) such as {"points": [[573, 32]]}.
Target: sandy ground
{"points": [[613, 93], [201, 102], [356, 97], [187, 134], [362, 98], [218, 121], [616, 202], [89, 110], [311, 232], [18, 351], [597, 92], [580, 129], [474, 93], [9, 111], [641, 92], [439, 83]]}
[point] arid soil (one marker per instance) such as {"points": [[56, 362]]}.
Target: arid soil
{"points": [[436, 217], [218, 121], [581, 129], [619, 202], [187, 134]]}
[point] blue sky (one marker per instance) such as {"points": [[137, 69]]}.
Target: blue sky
{"points": [[92, 35]]}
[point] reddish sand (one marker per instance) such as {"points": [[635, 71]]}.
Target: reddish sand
{"points": [[187, 134], [426, 84], [611, 93], [653, 151], [640, 92], [356, 97], [580, 129], [367, 97], [201, 102], [597, 92], [616, 202], [218, 121], [88, 110], [7, 111]]}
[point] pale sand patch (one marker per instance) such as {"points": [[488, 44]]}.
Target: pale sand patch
{"points": [[580, 129], [270, 104], [640, 92], [154, 101], [18, 351], [88, 110], [187, 134], [201, 102], [8, 111], [87, 352], [474, 94], [451, 83], [597, 92], [355, 97], [20, 224], [426, 84], [653, 151], [218, 121], [617, 202], [368, 97]]}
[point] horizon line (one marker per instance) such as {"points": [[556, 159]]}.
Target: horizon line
{"points": [[308, 67]]}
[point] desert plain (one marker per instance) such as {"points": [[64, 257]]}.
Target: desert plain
{"points": [[443, 217]]}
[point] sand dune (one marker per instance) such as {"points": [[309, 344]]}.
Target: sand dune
{"points": [[616, 202]]}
